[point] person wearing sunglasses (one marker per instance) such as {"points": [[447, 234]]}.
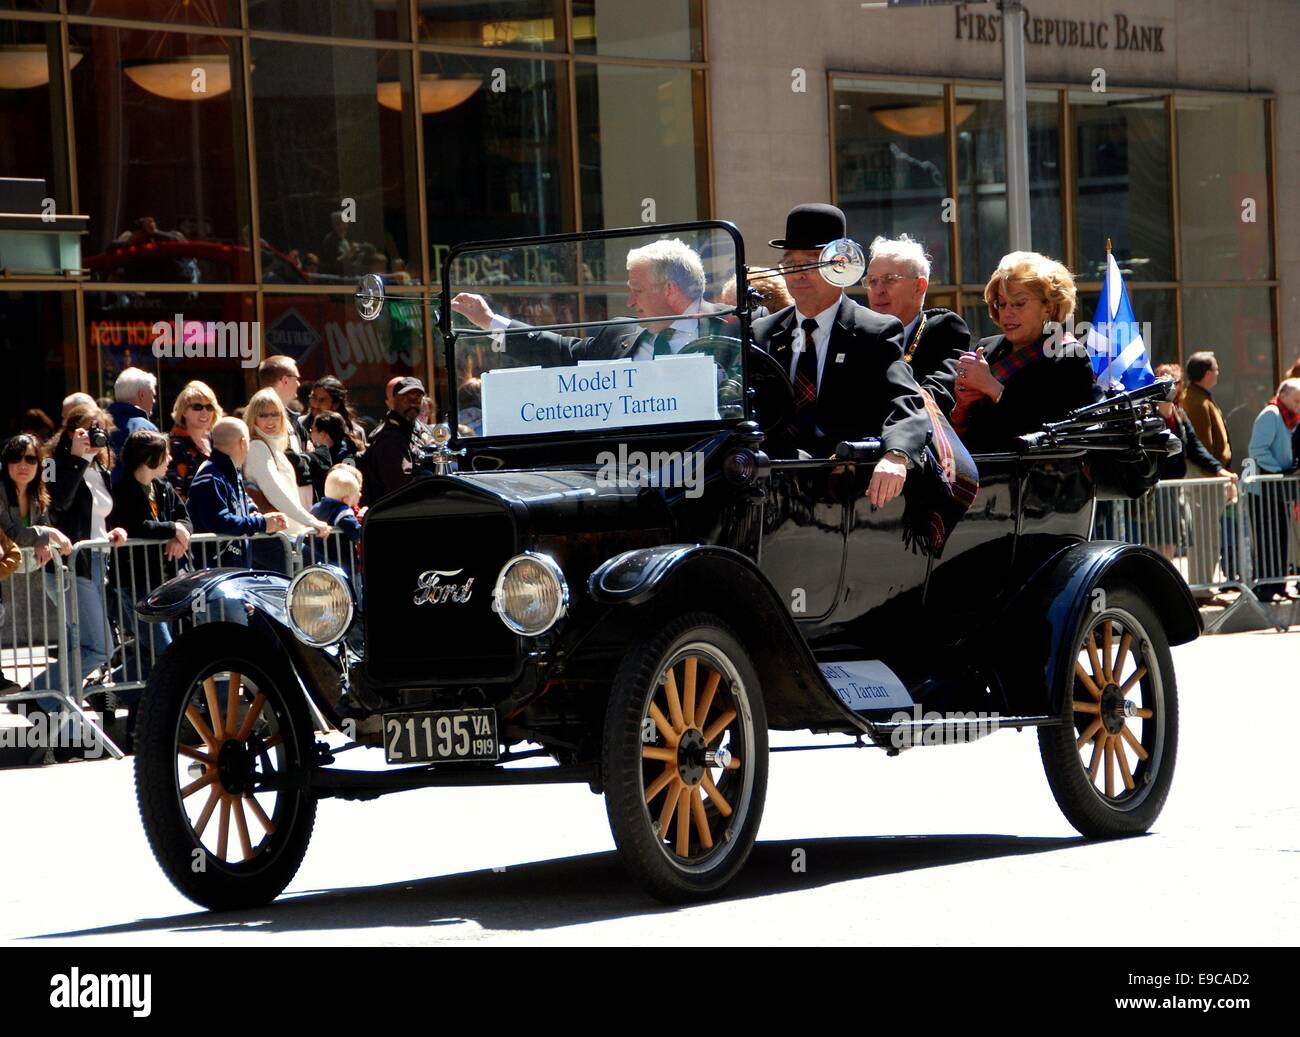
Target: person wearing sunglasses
{"points": [[25, 500], [195, 412]]}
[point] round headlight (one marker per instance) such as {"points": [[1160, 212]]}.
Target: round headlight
{"points": [[530, 595], [320, 605]]}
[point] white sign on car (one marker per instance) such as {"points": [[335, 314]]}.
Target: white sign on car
{"points": [[600, 394]]}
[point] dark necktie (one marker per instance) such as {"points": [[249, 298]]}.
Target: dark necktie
{"points": [[663, 342], [805, 371]]}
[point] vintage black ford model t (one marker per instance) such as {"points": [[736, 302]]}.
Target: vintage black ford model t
{"points": [[543, 593]]}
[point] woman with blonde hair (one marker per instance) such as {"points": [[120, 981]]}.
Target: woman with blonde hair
{"points": [[194, 413], [268, 472], [1034, 372]]}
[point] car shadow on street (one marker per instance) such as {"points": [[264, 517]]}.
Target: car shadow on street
{"points": [[577, 890]]}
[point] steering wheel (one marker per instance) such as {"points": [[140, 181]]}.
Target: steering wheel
{"points": [[773, 393]]}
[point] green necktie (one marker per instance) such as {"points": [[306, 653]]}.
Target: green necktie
{"points": [[662, 340]]}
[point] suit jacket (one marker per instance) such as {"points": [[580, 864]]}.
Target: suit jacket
{"points": [[867, 388], [939, 339], [609, 343], [1046, 390], [1208, 421]]}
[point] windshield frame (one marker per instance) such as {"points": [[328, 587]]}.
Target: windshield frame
{"points": [[742, 310]]}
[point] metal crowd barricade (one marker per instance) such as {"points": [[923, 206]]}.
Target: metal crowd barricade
{"points": [[34, 634], [1212, 534], [1271, 530], [57, 604], [334, 549]]}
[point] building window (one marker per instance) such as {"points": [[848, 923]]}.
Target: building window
{"points": [[30, 118], [120, 333], [982, 177], [1223, 188], [495, 150], [1122, 178], [160, 156], [641, 158], [331, 190], [188, 12], [513, 24], [665, 30], [38, 353], [324, 333], [891, 163], [345, 19]]}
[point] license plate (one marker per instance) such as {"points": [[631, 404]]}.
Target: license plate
{"points": [[441, 736]]}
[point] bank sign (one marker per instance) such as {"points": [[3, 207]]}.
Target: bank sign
{"points": [[599, 394], [1121, 33]]}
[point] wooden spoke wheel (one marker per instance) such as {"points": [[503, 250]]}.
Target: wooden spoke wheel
{"points": [[214, 734], [686, 759], [1111, 760]]}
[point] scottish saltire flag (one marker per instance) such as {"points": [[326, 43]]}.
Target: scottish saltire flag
{"points": [[1119, 356]]}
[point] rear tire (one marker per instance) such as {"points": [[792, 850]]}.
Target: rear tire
{"points": [[685, 759], [217, 718], [1120, 706]]}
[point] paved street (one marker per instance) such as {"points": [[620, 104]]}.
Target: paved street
{"points": [[937, 846]]}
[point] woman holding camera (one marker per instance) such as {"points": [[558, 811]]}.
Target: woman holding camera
{"points": [[81, 498]]}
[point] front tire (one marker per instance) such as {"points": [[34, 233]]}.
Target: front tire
{"points": [[685, 759], [1120, 709], [213, 724]]}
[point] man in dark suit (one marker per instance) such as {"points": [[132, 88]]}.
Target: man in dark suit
{"points": [[898, 276], [664, 277], [845, 362]]}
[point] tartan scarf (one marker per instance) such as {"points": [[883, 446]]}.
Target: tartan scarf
{"points": [[1015, 360]]}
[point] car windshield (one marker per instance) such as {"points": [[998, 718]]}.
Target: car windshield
{"points": [[634, 329]]}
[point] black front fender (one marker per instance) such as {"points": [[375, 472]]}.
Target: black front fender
{"points": [[192, 594], [203, 596], [675, 578]]}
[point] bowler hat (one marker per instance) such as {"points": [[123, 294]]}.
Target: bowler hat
{"points": [[810, 226]]}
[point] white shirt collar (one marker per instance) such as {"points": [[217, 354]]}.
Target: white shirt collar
{"points": [[823, 319]]}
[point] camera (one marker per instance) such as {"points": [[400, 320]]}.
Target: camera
{"points": [[98, 437]]}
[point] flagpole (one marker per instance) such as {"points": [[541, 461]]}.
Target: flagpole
{"points": [[1110, 327]]}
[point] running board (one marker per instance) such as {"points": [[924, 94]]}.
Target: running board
{"points": [[327, 782], [952, 730]]}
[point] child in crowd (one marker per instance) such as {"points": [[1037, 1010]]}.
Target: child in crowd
{"points": [[339, 506]]}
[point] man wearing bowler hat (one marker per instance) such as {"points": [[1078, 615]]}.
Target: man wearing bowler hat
{"points": [[389, 462], [844, 361]]}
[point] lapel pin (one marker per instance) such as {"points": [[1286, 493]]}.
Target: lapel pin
{"points": [[839, 358]]}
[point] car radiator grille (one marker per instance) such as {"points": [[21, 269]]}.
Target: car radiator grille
{"points": [[428, 613]]}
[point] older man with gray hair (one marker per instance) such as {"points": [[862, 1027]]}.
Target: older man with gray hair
{"points": [[664, 278], [134, 394], [898, 276]]}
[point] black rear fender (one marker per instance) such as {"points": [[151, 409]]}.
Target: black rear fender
{"points": [[1031, 645], [644, 587]]}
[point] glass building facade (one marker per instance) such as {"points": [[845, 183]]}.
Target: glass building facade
{"points": [[1179, 181], [249, 160]]}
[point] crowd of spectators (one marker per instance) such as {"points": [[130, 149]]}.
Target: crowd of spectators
{"points": [[292, 458]]}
